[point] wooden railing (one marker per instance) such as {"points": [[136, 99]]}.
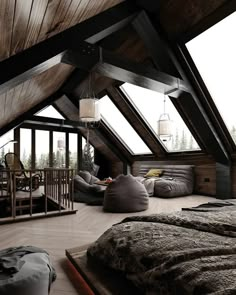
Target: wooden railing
{"points": [[22, 192], [58, 185]]}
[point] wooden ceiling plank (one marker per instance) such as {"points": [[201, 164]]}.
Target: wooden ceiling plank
{"points": [[73, 14], [29, 112], [39, 58], [86, 9], [60, 16], [47, 28], [6, 27], [37, 14], [21, 20]]}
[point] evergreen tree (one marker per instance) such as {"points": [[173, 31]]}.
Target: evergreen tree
{"points": [[24, 159], [176, 142], [191, 143], [183, 141], [28, 164]]}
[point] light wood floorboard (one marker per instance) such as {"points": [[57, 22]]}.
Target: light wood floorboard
{"points": [[59, 233]]}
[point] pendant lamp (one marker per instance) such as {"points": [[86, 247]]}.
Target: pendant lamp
{"points": [[89, 105], [164, 125]]}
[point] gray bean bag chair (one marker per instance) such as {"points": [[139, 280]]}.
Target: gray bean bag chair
{"points": [[86, 190], [25, 270], [125, 194]]}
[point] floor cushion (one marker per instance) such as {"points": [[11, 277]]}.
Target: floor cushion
{"points": [[125, 194], [25, 270]]}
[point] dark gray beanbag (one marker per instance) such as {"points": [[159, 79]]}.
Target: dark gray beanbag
{"points": [[125, 194]]}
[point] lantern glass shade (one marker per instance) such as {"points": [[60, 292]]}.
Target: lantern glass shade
{"points": [[165, 127], [89, 110]]}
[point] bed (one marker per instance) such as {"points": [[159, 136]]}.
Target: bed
{"points": [[187, 252]]}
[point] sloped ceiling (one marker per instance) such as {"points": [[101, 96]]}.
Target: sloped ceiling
{"points": [[23, 24]]}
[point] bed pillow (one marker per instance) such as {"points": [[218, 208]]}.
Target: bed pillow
{"points": [[154, 173]]}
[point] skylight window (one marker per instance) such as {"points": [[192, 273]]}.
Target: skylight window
{"points": [[214, 54], [121, 127], [150, 105], [50, 112]]}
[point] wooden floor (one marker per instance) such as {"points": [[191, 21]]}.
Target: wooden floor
{"points": [[59, 233]]}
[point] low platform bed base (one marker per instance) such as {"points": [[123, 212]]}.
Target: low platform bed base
{"points": [[97, 279]]}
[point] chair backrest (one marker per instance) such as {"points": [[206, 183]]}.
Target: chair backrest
{"points": [[13, 163]]}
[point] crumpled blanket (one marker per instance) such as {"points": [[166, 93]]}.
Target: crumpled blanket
{"points": [[149, 183], [170, 254], [10, 258]]}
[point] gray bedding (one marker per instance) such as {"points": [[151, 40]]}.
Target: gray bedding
{"points": [[25, 270], [186, 252]]}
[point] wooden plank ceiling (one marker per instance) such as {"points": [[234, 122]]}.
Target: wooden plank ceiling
{"points": [[24, 23]]}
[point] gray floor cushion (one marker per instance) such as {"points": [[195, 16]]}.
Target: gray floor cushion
{"points": [[125, 194], [25, 270]]}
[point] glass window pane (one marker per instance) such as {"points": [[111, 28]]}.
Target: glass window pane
{"points": [[42, 149], [213, 53], [87, 156], [50, 112], [73, 148], [150, 105], [59, 150], [121, 126], [9, 147], [25, 147]]}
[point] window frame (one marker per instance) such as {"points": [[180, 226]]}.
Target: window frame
{"points": [[117, 136], [182, 115]]}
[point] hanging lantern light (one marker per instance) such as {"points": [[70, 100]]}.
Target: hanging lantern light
{"points": [[89, 109], [164, 125], [89, 105]]}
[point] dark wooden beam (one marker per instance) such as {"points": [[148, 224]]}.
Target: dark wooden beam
{"points": [[208, 135], [42, 56], [59, 111], [115, 67], [53, 122], [67, 151], [113, 143], [50, 148], [33, 149], [74, 80], [136, 121], [154, 44]]}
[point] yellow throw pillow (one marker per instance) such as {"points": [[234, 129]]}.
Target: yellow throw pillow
{"points": [[154, 173]]}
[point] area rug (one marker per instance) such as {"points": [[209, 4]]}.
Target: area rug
{"points": [[96, 278]]}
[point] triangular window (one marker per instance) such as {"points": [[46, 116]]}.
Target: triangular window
{"points": [[151, 106], [213, 53], [50, 112], [121, 127]]}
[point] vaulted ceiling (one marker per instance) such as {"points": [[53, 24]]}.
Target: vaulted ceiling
{"points": [[47, 49]]}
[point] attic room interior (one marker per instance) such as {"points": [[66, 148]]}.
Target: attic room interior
{"points": [[117, 147]]}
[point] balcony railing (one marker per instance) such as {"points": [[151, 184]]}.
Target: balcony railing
{"points": [[35, 193]]}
